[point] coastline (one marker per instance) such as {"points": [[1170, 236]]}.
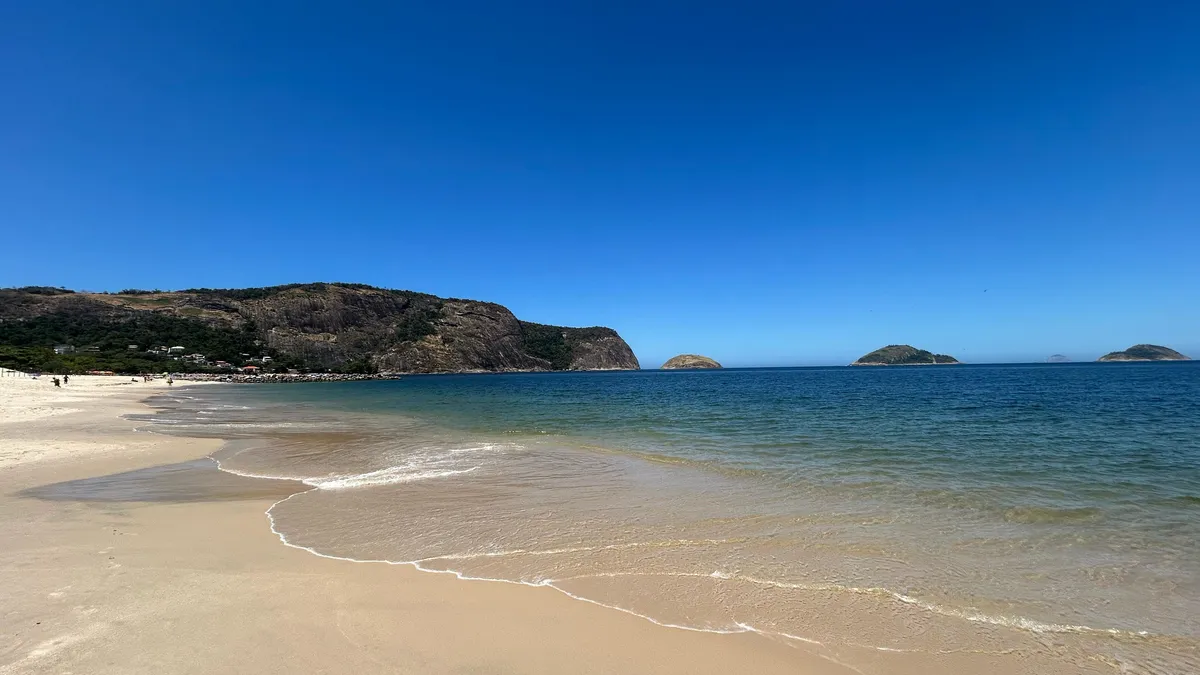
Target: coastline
{"points": [[204, 586]]}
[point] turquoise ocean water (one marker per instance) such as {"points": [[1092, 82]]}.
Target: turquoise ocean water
{"points": [[1023, 518]]}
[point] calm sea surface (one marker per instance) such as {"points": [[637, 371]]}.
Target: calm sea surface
{"points": [[1038, 518]]}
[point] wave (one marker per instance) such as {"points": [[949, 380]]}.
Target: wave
{"points": [[422, 467], [670, 543], [389, 476], [443, 464], [734, 627], [423, 564], [1019, 622], [1041, 515]]}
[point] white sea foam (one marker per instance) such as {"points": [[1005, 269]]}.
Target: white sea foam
{"points": [[733, 628], [389, 476], [669, 543], [424, 466], [736, 627], [1018, 622], [406, 474]]}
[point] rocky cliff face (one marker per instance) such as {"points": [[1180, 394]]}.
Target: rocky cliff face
{"points": [[321, 326]]}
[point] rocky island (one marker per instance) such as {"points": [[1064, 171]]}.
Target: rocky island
{"points": [[903, 355], [295, 328], [690, 362], [1145, 353], [1058, 358]]}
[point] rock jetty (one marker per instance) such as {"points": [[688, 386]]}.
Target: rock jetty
{"points": [[277, 378], [690, 362]]}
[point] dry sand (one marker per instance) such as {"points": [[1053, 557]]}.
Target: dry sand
{"points": [[205, 587]]}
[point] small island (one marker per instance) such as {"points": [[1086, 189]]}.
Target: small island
{"points": [[1058, 358], [903, 355], [690, 362], [1145, 353]]}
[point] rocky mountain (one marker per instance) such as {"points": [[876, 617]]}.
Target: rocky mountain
{"points": [[319, 326], [903, 355], [688, 362], [1145, 353]]}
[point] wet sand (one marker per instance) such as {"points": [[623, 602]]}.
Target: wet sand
{"points": [[173, 568]]}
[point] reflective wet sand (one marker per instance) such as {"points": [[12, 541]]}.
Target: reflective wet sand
{"points": [[193, 481]]}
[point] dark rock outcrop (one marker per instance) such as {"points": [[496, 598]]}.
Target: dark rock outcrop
{"points": [[903, 355], [283, 378], [689, 361], [320, 326], [1145, 353]]}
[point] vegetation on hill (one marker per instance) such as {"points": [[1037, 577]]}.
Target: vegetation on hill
{"points": [[43, 290], [147, 330], [903, 355], [337, 327], [270, 291], [560, 345], [419, 322], [123, 345], [546, 342], [1145, 353]]}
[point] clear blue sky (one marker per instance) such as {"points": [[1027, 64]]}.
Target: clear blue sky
{"points": [[769, 183]]}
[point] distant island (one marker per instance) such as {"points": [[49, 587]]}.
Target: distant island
{"points": [[1058, 358], [1145, 353], [903, 355], [689, 361], [295, 328]]}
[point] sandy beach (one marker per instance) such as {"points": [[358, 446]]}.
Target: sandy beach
{"points": [[199, 584]]}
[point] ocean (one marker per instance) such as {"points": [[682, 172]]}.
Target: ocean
{"points": [[1038, 518]]}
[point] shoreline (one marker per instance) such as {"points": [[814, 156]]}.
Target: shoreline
{"points": [[202, 586], [1003, 643]]}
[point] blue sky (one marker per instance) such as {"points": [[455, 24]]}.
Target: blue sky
{"points": [[768, 183]]}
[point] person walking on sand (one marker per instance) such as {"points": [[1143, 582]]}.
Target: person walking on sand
{"points": [[55, 381], [66, 379]]}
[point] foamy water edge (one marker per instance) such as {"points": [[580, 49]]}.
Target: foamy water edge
{"points": [[397, 474], [363, 480]]}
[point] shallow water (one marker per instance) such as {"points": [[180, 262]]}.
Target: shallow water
{"points": [[192, 481], [1047, 512]]}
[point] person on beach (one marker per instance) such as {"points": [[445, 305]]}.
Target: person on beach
{"points": [[55, 381], [66, 379]]}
